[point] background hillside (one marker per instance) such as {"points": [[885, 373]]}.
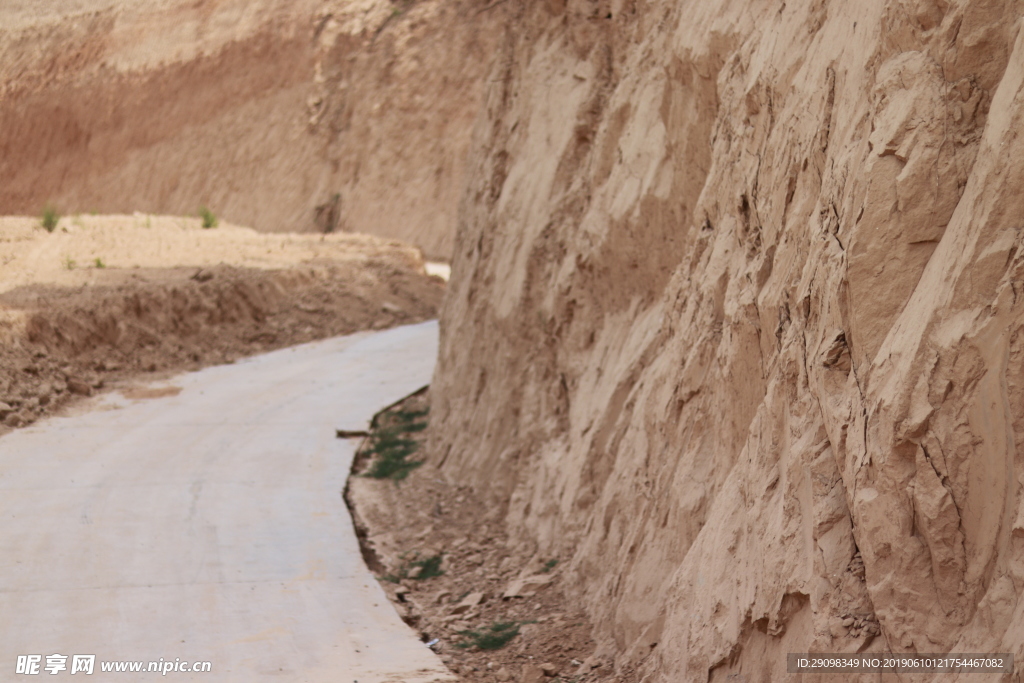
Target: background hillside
{"points": [[299, 116]]}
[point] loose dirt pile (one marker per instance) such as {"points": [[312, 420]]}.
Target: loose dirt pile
{"points": [[498, 612], [736, 325], [104, 298]]}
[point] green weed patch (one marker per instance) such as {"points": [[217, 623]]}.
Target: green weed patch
{"points": [[429, 568], [493, 637], [389, 444]]}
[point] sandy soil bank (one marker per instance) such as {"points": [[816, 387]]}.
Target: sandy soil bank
{"points": [[103, 298]]}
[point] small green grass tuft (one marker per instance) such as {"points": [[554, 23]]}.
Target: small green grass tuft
{"points": [[69, 263], [494, 637], [50, 218], [549, 565], [430, 567], [98, 263], [209, 218]]}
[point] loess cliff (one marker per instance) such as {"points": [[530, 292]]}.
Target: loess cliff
{"points": [[736, 324], [322, 115]]}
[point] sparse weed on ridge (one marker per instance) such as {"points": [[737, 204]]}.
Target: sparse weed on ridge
{"points": [[208, 217], [50, 218]]}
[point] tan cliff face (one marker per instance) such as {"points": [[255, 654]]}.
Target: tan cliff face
{"points": [[735, 323], [348, 115]]}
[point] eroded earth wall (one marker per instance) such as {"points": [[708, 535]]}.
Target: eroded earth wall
{"points": [[736, 323], [313, 115]]}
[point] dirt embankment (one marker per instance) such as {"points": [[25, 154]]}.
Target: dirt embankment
{"points": [[735, 325], [287, 116], [104, 298]]}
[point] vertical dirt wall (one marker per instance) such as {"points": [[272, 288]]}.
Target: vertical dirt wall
{"points": [[735, 323]]}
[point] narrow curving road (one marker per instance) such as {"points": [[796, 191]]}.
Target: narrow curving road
{"points": [[209, 526]]}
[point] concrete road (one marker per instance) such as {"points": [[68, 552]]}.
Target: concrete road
{"points": [[209, 526]]}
